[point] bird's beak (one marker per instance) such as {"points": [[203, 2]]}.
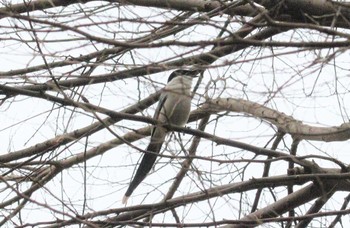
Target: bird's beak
{"points": [[196, 73]]}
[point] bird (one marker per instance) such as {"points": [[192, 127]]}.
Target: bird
{"points": [[173, 108]]}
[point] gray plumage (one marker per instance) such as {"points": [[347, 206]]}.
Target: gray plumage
{"points": [[173, 108]]}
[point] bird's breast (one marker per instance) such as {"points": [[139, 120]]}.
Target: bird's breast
{"points": [[177, 109]]}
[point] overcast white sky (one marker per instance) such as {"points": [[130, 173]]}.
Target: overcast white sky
{"points": [[316, 94]]}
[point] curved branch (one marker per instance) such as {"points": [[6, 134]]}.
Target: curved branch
{"points": [[282, 121]]}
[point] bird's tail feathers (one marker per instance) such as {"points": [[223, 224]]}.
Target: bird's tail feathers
{"points": [[125, 200], [146, 165]]}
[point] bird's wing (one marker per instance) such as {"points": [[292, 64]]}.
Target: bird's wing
{"points": [[163, 97], [149, 158]]}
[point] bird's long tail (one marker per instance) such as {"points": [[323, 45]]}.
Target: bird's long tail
{"points": [[147, 161]]}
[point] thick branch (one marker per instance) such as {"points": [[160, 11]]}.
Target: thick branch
{"points": [[200, 59], [322, 12], [282, 121]]}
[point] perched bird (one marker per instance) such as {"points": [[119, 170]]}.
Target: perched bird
{"points": [[173, 108]]}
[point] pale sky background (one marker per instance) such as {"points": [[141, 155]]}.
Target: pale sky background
{"points": [[27, 121]]}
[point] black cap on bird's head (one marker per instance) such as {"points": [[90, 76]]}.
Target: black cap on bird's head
{"points": [[184, 72]]}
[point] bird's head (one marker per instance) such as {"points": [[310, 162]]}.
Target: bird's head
{"points": [[189, 73]]}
